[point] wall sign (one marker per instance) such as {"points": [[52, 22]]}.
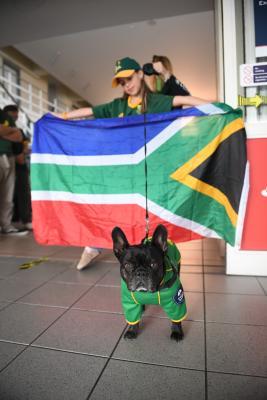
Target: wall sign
{"points": [[253, 74]]}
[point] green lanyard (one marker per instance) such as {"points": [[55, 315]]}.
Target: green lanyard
{"points": [[159, 84]]}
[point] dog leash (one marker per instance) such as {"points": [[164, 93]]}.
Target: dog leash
{"points": [[146, 178]]}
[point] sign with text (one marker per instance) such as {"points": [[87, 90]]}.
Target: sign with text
{"points": [[253, 74]]}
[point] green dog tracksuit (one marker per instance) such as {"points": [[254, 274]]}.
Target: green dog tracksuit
{"points": [[170, 299]]}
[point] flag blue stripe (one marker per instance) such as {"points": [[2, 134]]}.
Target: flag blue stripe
{"points": [[117, 136]]}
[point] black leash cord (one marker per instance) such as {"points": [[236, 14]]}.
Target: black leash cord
{"points": [[146, 177]]}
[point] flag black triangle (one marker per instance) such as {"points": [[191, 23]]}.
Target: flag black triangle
{"points": [[225, 168]]}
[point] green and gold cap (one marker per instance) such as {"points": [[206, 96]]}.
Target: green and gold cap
{"points": [[124, 68]]}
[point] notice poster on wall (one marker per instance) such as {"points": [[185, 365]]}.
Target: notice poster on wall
{"points": [[260, 19], [253, 74]]}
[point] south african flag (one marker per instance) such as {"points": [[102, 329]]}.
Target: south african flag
{"points": [[187, 168]]}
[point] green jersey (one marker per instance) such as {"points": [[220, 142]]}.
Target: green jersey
{"points": [[5, 145], [171, 299], [156, 103]]}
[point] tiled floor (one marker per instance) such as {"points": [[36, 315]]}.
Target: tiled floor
{"points": [[61, 331]]}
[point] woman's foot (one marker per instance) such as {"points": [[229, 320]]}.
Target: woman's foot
{"points": [[87, 257]]}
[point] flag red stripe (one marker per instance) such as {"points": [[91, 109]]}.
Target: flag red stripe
{"points": [[78, 224]]}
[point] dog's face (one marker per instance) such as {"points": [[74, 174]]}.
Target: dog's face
{"points": [[141, 266]]}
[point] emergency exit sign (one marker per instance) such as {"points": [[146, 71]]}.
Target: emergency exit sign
{"points": [[253, 74]]}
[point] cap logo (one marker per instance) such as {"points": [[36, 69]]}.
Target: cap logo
{"points": [[117, 66]]}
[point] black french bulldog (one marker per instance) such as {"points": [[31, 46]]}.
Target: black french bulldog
{"points": [[149, 273]]}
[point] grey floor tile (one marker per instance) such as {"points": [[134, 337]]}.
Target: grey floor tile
{"points": [[213, 257], [232, 284], [42, 374], [211, 244], [212, 253], [8, 351], [236, 309], [12, 289], [112, 278], [214, 269], [192, 245], [131, 381], [192, 282], [191, 257], [55, 294], [10, 265], [24, 247], [3, 304], [85, 332], [263, 282], [237, 349], [43, 271], [189, 251], [195, 307], [101, 298], [22, 323], [107, 256], [236, 387], [153, 345], [74, 254], [219, 262], [105, 264], [191, 269], [67, 253], [89, 275]]}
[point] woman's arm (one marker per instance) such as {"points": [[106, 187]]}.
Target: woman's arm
{"points": [[10, 133], [179, 101], [80, 113]]}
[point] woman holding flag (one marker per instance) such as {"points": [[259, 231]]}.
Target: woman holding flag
{"points": [[136, 99]]}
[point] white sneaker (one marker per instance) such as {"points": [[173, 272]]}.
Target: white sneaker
{"points": [[28, 226], [12, 231], [87, 257]]}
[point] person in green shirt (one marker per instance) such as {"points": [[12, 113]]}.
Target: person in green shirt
{"points": [[136, 99], [8, 134]]}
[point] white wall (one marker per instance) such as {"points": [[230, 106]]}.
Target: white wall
{"points": [[85, 61]]}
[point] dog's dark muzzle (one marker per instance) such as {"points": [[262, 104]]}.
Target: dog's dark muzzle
{"points": [[141, 274], [142, 281]]}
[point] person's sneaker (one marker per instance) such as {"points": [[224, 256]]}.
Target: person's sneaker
{"points": [[27, 226], [87, 257], [12, 231]]}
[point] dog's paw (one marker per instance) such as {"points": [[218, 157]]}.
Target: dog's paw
{"points": [[177, 336], [132, 332], [177, 332], [130, 335]]}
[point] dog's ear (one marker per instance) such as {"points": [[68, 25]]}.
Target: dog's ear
{"points": [[160, 237], [120, 242]]}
